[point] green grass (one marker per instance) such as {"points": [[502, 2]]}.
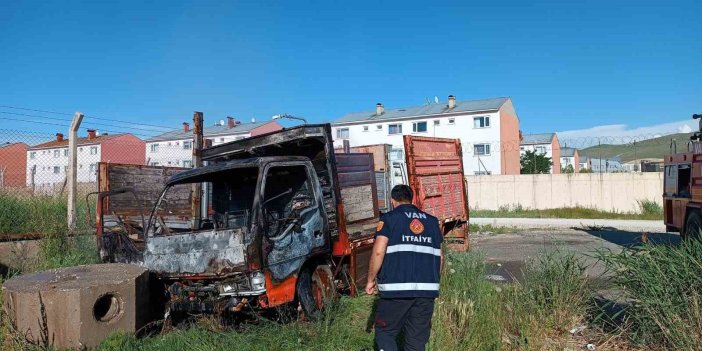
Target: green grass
{"points": [[651, 148], [490, 229], [648, 210], [36, 214], [472, 313], [663, 285]]}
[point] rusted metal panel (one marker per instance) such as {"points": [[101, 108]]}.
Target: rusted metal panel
{"points": [[380, 154], [122, 216], [435, 170], [358, 188]]}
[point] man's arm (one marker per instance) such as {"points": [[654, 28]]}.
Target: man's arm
{"points": [[376, 261]]}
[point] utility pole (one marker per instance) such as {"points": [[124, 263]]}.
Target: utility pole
{"points": [[599, 153], [635, 158], [72, 177], [196, 209]]}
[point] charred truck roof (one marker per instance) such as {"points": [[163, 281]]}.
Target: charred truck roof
{"points": [[193, 174]]}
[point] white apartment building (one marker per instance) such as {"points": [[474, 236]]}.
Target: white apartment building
{"points": [[570, 157], [544, 144], [175, 148], [47, 163], [488, 130]]}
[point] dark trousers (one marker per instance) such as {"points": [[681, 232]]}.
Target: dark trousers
{"points": [[413, 316]]}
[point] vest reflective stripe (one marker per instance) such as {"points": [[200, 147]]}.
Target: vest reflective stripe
{"points": [[413, 248], [408, 286]]}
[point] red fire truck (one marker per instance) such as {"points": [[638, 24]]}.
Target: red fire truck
{"points": [[682, 186]]}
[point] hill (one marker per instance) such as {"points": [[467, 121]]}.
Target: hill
{"points": [[651, 148]]}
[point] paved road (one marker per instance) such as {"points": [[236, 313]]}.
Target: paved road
{"points": [[560, 223], [507, 253]]}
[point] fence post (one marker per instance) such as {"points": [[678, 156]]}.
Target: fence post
{"points": [[198, 141], [71, 176]]}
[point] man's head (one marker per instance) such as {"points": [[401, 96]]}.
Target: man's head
{"points": [[400, 195]]}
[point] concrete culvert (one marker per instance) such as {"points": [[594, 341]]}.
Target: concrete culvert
{"points": [[107, 308], [78, 307]]}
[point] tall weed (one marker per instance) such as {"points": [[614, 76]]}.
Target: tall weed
{"points": [[663, 285]]}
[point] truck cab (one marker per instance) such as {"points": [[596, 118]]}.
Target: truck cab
{"points": [[682, 187]]}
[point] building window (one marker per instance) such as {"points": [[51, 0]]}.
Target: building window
{"points": [[437, 122], [80, 149], [65, 152], [93, 150], [57, 153], [57, 169], [541, 150], [419, 127], [187, 145], [365, 128], [187, 163], [154, 163], [93, 168], [342, 133], [521, 148], [451, 121], [481, 122], [482, 173], [154, 147], [379, 127], [33, 155], [394, 128], [481, 149]]}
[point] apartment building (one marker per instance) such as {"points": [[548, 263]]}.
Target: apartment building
{"points": [[13, 165], [570, 157], [543, 144], [488, 130], [47, 163], [175, 148]]}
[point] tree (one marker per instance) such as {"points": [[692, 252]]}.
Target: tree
{"points": [[535, 163], [568, 169]]}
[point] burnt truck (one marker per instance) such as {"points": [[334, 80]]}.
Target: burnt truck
{"points": [[682, 187], [270, 220]]}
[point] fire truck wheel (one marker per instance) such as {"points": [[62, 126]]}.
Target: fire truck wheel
{"points": [[314, 290], [693, 225]]}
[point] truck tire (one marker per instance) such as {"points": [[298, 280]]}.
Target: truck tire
{"points": [[315, 289], [693, 225]]}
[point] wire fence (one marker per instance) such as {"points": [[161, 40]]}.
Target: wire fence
{"points": [[33, 162]]}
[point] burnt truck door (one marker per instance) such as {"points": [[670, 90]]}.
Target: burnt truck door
{"points": [[293, 219]]}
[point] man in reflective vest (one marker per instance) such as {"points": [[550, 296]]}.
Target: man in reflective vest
{"points": [[406, 260]]}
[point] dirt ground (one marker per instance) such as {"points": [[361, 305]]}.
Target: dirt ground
{"points": [[506, 254]]}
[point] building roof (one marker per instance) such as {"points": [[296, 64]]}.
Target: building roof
{"points": [[568, 151], [534, 139], [432, 109], [81, 141], [219, 129]]}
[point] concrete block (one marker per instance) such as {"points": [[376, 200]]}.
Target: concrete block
{"points": [[78, 307]]}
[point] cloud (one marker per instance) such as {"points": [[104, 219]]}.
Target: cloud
{"points": [[621, 133]]}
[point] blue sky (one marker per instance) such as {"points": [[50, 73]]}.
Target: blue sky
{"points": [[567, 65]]}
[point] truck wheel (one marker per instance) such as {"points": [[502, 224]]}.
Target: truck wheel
{"points": [[693, 225], [315, 289]]}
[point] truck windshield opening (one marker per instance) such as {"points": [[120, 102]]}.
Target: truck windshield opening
{"points": [[226, 203]]}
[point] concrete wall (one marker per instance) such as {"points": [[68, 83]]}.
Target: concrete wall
{"points": [[609, 191]]}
